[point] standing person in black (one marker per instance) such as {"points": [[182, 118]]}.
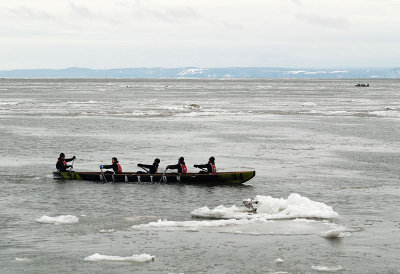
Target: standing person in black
{"points": [[115, 166], [152, 169], [62, 162], [181, 166], [211, 168]]}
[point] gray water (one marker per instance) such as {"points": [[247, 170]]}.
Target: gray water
{"points": [[326, 140]]}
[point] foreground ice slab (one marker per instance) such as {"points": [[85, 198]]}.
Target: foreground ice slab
{"points": [[295, 206], [294, 215]]}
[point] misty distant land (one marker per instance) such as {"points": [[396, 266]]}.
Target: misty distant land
{"points": [[206, 73]]}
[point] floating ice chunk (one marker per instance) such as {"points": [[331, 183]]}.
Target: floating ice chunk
{"points": [[279, 261], [334, 233], [107, 230], [8, 103], [192, 224], [327, 268], [221, 212], [134, 258], [62, 219], [390, 108], [23, 260], [192, 107], [309, 104], [295, 206], [389, 114]]}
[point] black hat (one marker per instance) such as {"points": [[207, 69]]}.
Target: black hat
{"points": [[212, 159], [157, 161], [62, 155], [115, 158], [181, 159]]}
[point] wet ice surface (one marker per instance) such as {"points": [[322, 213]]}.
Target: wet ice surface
{"points": [[328, 141]]}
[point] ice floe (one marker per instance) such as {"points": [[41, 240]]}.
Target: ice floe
{"points": [[107, 231], [62, 219], [23, 260], [295, 206], [279, 261], [134, 258], [194, 224], [327, 268], [266, 215]]}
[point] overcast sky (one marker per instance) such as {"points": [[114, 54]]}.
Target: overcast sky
{"points": [[202, 33]]}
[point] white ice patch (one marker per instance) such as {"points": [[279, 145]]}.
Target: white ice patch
{"points": [[309, 104], [388, 114], [259, 226], [107, 230], [327, 268], [276, 216], [23, 260], [134, 258], [193, 224], [279, 261], [295, 206], [62, 219]]}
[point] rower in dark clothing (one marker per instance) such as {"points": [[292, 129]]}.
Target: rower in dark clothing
{"points": [[152, 169], [211, 168], [115, 166], [62, 162], [181, 166]]}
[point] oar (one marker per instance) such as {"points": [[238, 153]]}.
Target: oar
{"points": [[162, 176], [145, 169], [202, 169], [71, 168], [104, 176]]}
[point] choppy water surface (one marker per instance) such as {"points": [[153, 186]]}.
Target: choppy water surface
{"points": [[335, 145]]}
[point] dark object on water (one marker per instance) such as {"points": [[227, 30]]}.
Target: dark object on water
{"points": [[251, 204], [362, 85], [221, 178]]}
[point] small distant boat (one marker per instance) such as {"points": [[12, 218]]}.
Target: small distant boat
{"points": [[221, 178], [362, 85]]}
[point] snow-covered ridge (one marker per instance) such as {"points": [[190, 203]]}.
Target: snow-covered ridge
{"points": [[191, 71]]}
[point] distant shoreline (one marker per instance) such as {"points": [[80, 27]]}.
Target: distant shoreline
{"points": [[203, 73]]}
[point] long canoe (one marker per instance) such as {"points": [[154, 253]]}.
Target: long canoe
{"points": [[221, 178]]}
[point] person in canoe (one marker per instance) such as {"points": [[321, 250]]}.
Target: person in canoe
{"points": [[211, 168], [115, 166], [62, 162], [181, 166], [151, 169]]}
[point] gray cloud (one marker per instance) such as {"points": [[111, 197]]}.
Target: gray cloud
{"points": [[317, 20], [172, 15], [82, 11], [30, 14]]}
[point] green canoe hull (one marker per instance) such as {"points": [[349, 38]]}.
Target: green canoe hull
{"points": [[221, 178]]}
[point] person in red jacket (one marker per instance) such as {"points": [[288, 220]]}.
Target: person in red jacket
{"points": [[211, 168], [181, 166], [115, 166], [152, 169], [62, 162]]}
